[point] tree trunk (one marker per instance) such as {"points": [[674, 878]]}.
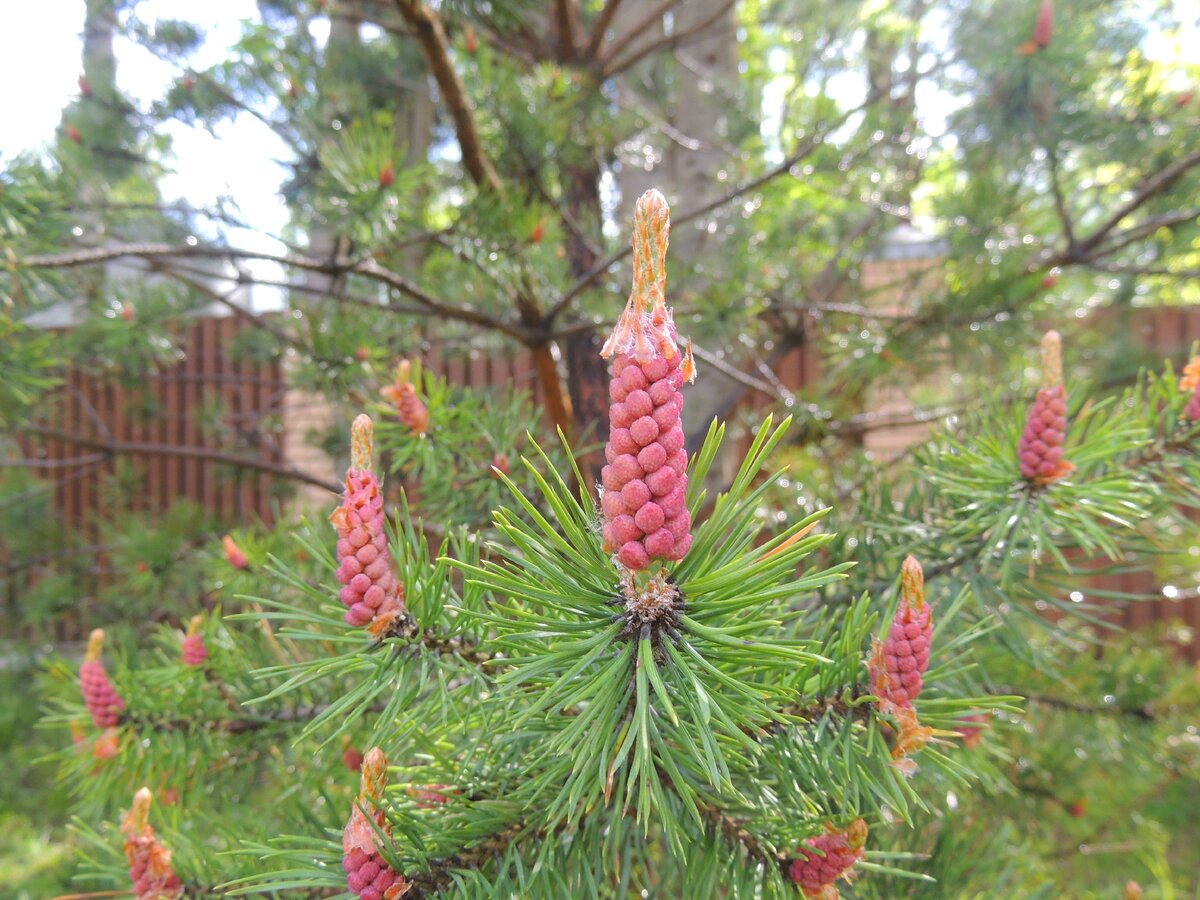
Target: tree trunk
{"points": [[706, 74]]}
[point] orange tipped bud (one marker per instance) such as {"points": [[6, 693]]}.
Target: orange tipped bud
{"points": [[1191, 375], [95, 645], [362, 442], [472, 40], [1052, 370], [149, 861], [912, 583], [107, 745], [234, 553], [73, 134], [387, 175], [535, 236]]}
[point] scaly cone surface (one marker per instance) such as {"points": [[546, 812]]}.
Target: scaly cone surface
{"points": [[371, 592], [824, 859], [102, 699], [1041, 447], [149, 861], [898, 663], [368, 874], [645, 481]]}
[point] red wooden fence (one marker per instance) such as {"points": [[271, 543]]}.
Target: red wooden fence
{"points": [[253, 399]]}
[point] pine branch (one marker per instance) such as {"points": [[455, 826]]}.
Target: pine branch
{"points": [[1149, 188], [440, 876], [180, 451], [735, 833], [635, 31], [1144, 713], [367, 267], [240, 725]]}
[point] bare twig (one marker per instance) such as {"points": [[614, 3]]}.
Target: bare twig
{"points": [[338, 266], [144, 448], [600, 27], [613, 66]]}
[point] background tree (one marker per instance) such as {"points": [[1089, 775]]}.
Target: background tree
{"points": [[466, 176]]}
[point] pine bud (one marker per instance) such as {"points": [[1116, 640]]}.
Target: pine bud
{"points": [[430, 795], [367, 873], [500, 465], [645, 481], [1133, 891], [403, 395], [1191, 412], [899, 662], [822, 860], [234, 553], [194, 650], [1041, 447], [107, 745], [971, 728], [149, 861], [102, 699], [352, 758], [371, 592]]}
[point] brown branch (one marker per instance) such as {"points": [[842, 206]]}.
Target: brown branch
{"points": [[603, 22], [613, 67], [1155, 184], [430, 34], [1142, 230], [742, 378], [1144, 713], [736, 833], [1060, 202], [438, 878], [71, 463], [565, 26], [143, 448], [635, 31], [368, 268], [1143, 270]]}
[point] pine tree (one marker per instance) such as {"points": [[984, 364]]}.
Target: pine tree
{"points": [[557, 722]]}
